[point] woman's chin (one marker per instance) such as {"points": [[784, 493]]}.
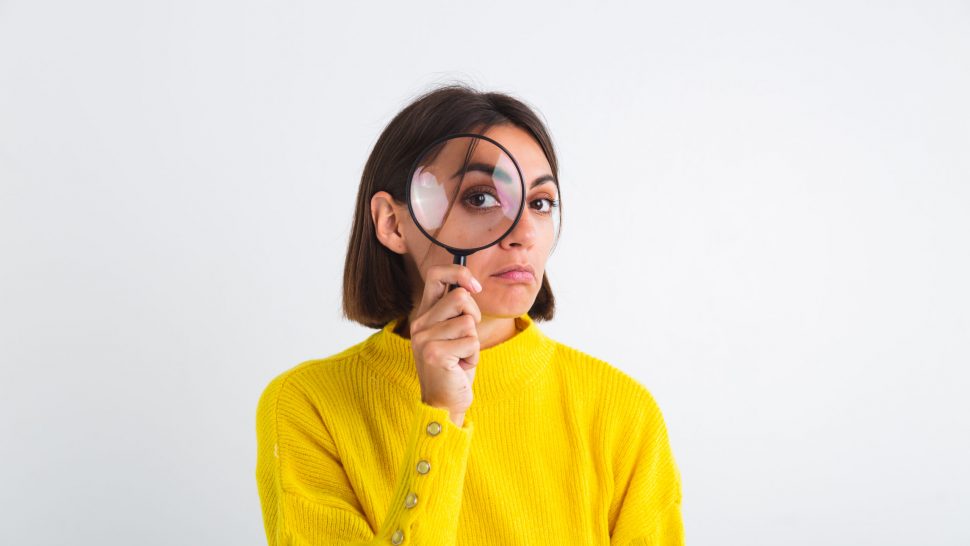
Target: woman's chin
{"points": [[508, 308]]}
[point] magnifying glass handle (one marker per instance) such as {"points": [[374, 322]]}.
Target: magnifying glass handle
{"points": [[459, 260]]}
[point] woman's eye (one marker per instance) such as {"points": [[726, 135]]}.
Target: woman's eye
{"points": [[545, 205], [481, 200]]}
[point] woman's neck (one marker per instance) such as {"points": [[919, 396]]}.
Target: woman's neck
{"points": [[491, 330]]}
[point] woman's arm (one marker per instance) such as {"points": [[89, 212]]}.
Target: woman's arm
{"points": [[307, 499], [646, 507]]}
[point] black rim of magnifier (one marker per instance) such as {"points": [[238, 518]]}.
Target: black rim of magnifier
{"points": [[461, 253]]}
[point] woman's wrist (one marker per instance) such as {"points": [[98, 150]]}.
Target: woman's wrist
{"points": [[458, 419]]}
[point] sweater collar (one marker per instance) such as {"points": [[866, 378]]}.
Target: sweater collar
{"points": [[502, 370]]}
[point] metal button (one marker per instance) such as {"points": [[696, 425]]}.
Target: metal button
{"points": [[411, 500], [424, 467], [434, 428], [397, 537]]}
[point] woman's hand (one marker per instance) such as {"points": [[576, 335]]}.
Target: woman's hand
{"points": [[444, 338]]}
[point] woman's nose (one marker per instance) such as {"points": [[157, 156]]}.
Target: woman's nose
{"points": [[524, 232]]}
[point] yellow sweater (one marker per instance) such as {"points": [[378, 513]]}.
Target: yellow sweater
{"points": [[557, 448]]}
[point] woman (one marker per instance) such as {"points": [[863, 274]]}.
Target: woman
{"points": [[396, 441]]}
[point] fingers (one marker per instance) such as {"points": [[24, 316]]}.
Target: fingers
{"points": [[439, 277], [458, 301], [444, 337], [453, 328], [452, 351], [455, 303]]}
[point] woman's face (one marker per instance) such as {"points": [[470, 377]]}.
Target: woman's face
{"points": [[527, 246]]}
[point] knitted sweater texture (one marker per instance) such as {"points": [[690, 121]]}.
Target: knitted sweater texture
{"points": [[557, 447]]}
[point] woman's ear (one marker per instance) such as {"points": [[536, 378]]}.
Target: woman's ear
{"points": [[387, 222]]}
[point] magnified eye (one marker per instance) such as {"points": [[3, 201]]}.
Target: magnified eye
{"points": [[481, 200]]}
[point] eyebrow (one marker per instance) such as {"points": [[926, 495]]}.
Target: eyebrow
{"points": [[543, 179], [502, 175]]}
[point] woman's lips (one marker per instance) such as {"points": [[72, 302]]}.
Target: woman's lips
{"points": [[516, 276]]}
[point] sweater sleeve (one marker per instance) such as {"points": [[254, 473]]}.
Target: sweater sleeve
{"points": [[646, 507], [308, 500]]}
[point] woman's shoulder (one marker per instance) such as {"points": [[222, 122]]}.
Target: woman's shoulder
{"points": [[607, 379], [303, 380], [621, 408]]}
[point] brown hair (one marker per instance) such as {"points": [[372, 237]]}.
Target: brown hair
{"points": [[376, 284]]}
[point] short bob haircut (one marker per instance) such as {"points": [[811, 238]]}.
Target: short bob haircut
{"points": [[376, 284]]}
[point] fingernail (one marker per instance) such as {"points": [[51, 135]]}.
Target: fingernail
{"points": [[476, 284]]}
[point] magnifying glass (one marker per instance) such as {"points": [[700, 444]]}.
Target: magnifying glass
{"points": [[465, 193]]}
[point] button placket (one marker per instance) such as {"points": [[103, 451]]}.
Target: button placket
{"points": [[433, 429], [411, 500], [423, 467]]}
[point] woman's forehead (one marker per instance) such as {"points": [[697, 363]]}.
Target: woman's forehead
{"points": [[527, 152]]}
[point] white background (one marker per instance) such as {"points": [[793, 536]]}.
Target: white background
{"points": [[766, 223]]}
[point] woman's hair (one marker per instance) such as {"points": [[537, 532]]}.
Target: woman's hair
{"points": [[376, 284]]}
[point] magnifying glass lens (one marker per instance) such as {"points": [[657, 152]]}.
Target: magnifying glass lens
{"points": [[466, 193]]}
